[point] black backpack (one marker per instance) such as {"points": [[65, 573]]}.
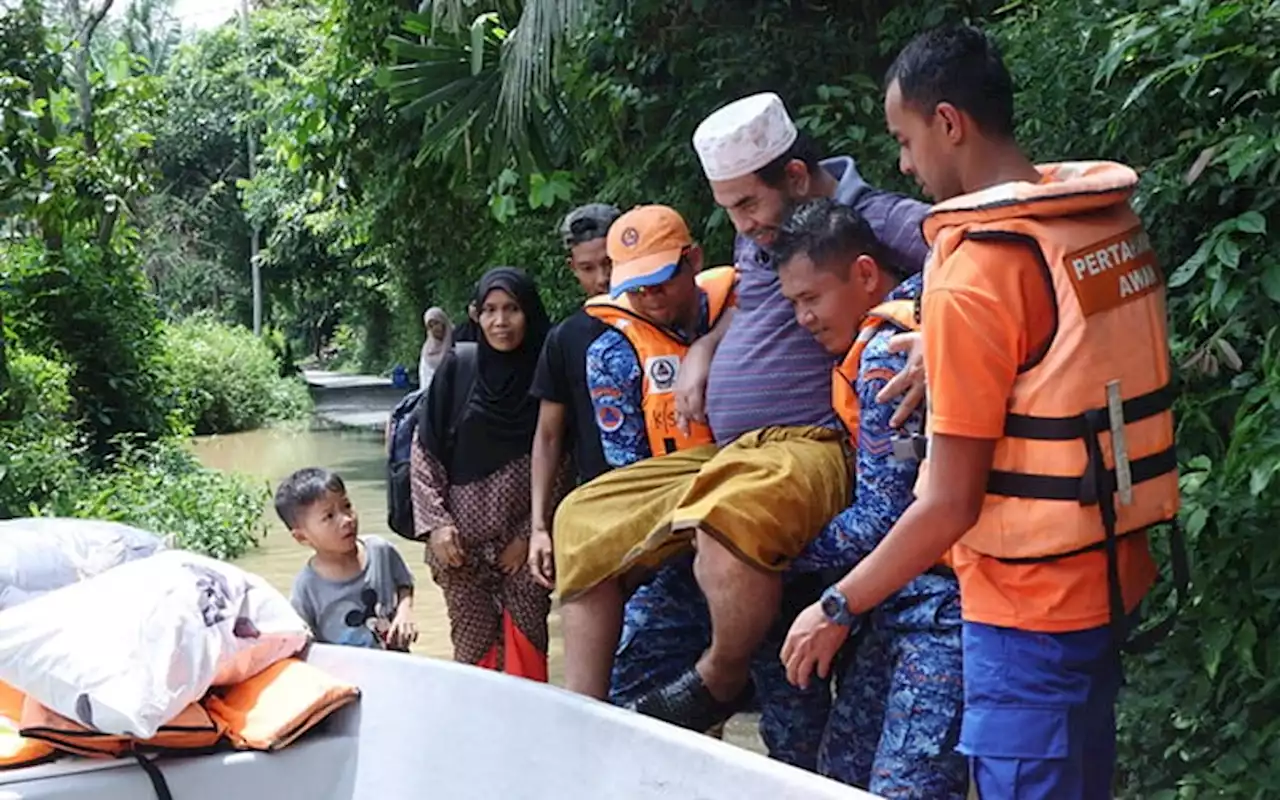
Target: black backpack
{"points": [[400, 430]]}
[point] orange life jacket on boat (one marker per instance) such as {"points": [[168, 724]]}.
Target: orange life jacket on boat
{"points": [[900, 314], [265, 712], [1054, 489], [660, 351], [192, 729], [17, 750], [273, 708]]}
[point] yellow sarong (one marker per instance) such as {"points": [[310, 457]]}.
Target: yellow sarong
{"points": [[764, 496]]}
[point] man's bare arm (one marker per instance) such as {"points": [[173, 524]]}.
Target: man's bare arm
{"points": [[947, 509], [548, 449], [910, 382], [691, 383]]}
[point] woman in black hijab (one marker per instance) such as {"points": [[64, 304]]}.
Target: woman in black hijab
{"points": [[470, 478]]}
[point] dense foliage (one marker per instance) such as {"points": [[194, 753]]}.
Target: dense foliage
{"points": [[157, 486], [406, 146], [227, 379], [95, 391], [163, 488]]}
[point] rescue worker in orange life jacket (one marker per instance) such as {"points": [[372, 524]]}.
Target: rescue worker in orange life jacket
{"points": [[659, 303], [899, 694], [1035, 273]]}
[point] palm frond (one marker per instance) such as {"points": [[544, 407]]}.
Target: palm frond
{"points": [[529, 52]]}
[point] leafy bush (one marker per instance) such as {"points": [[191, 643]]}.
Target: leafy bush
{"points": [[162, 487], [226, 379], [39, 444], [92, 309], [158, 486]]}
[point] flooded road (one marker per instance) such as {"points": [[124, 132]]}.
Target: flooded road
{"points": [[356, 455], [270, 455]]}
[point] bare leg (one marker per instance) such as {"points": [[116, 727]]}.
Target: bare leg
{"points": [[592, 623], [743, 601]]}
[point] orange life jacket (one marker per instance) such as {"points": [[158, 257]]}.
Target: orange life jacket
{"points": [[266, 712], [192, 729], [1054, 489], [276, 706], [660, 351], [17, 750], [900, 314]]}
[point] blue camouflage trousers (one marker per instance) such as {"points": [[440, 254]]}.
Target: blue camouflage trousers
{"points": [[667, 627], [900, 697]]}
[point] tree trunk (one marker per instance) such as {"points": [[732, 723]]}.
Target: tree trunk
{"points": [[86, 23]]}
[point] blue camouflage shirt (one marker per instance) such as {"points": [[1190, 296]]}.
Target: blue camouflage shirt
{"points": [[884, 485], [616, 385]]}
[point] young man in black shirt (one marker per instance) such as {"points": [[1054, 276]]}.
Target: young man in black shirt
{"points": [[561, 382]]}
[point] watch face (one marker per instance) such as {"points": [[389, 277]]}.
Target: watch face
{"points": [[831, 606]]}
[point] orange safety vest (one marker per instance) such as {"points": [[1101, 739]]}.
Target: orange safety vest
{"points": [[660, 351], [265, 712], [901, 314], [17, 750], [1054, 490]]}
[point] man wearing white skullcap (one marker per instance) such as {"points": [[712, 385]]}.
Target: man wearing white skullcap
{"points": [[781, 472]]}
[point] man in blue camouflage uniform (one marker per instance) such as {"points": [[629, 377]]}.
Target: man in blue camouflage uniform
{"points": [[666, 624], [770, 374], [896, 716]]}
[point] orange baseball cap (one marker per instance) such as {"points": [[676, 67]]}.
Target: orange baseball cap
{"points": [[645, 245]]}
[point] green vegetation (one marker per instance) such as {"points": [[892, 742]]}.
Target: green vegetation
{"points": [[96, 390], [157, 486], [162, 488], [402, 153], [227, 379]]}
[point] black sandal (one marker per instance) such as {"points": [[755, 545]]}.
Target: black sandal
{"points": [[688, 702]]}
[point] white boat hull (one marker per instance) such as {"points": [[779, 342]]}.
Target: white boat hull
{"points": [[433, 729]]}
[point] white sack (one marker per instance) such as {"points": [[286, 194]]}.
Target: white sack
{"points": [[40, 554], [127, 650]]}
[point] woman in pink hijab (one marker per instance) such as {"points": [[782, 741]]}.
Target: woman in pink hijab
{"points": [[438, 344]]}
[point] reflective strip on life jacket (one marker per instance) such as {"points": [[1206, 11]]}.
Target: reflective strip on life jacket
{"points": [[1053, 490], [276, 706], [660, 351]]}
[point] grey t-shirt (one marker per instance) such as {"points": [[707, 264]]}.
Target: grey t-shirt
{"points": [[346, 612]]}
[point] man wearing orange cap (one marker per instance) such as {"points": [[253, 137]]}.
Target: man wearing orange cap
{"points": [[659, 302], [781, 471]]}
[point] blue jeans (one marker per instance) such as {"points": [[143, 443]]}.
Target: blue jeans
{"points": [[667, 627], [1039, 718]]}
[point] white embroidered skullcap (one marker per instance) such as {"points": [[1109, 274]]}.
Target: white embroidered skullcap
{"points": [[744, 136]]}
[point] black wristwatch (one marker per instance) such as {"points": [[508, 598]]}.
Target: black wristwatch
{"points": [[836, 607]]}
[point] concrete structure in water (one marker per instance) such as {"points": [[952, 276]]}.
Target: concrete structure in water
{"points": [[352, 401]]}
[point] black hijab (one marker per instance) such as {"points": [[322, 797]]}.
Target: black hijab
{"points": [[501, 416]]}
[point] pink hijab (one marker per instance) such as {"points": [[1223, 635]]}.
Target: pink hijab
{"points": [[433, 349]]}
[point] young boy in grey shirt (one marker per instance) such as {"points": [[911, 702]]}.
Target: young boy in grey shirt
{"points": [[355, 590]]}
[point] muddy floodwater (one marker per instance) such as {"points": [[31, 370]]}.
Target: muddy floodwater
{"points": [[358, 456]]}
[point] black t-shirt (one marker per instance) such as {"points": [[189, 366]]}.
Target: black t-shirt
{"points": [[562, 378]]}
